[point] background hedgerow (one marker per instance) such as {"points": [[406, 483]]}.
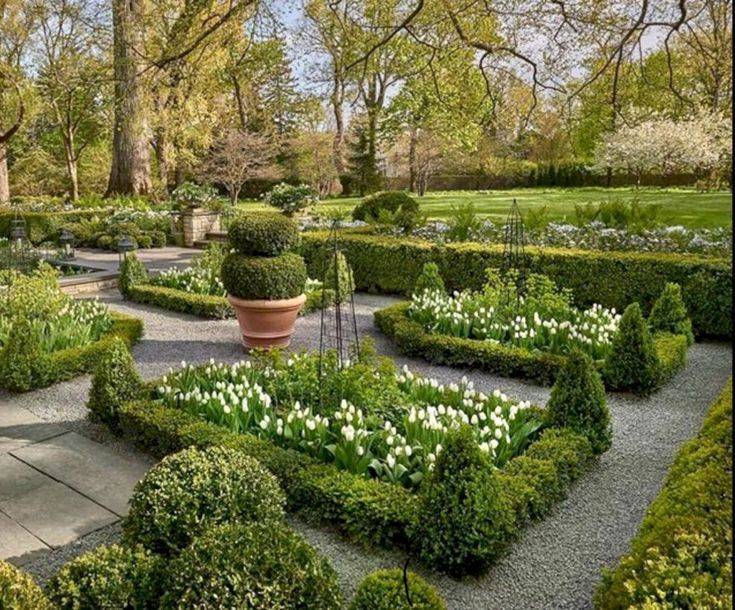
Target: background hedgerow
{"points": [[682, 554], [194, 489]]}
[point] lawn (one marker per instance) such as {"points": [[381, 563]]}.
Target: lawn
{"points": [[678, 206]]}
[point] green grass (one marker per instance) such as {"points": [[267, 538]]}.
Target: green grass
{"points": [[678, 206]]}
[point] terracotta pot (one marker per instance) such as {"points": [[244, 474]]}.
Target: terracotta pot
{"points": [[267, 324]]}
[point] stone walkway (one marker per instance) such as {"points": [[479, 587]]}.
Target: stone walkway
{"points": [[557, 562]]}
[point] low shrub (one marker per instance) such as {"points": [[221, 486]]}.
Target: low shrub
{"points": [[115, 381], [158, 239], [389, 590], [669, 314], [429, 280], [633, 363], [261, 277], [108, 577], [465, 521], [18, 591], [682, 555], [290, 199], [568, 451], [21, 360], [263, 234], [578, 402], [369, 209], [201, 305], [193, 489], [259, 566], [543, 486], [132, 273]]}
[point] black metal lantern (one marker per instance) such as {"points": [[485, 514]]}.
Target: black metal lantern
{"points": [[66, 241], [125, 245], [18, 235]]}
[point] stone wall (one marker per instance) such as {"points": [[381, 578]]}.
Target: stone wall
{"points": [[197, 223]]}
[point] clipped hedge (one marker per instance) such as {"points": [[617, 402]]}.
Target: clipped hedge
{"points": [[386, 590], [66, 364], [510, 361], [613, 279], [681, 557], [43, 226]]}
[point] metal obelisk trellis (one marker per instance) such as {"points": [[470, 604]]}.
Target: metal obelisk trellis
{"points": [[338, 321], [514, 250]]}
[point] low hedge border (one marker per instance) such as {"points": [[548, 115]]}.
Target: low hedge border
{"points": [[613, 279], [681, 555], [412, 340], [202, 306], [69, 363], [370, 512]]}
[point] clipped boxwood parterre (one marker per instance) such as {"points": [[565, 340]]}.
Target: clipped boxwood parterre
{"points": [[612, 279], [413, 340]]}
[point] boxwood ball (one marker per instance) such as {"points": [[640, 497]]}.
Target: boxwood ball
{"points": [[263, 234]]}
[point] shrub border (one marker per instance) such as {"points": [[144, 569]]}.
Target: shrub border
{"points": [[66, 364], [613, 279], [370, 512], [412, 340], [704, 512]]}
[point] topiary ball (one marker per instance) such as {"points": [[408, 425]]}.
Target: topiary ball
{"points": [[386, 590], [195, 489], [258, 566], [108, 577], [263, 234], [18, 591], [267, 278]]}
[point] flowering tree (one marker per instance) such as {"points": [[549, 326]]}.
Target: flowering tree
{"points": [[701, 145]]}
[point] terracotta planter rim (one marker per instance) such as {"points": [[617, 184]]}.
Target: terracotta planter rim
{"points": [[269, 304]]}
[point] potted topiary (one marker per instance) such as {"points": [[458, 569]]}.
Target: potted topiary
{"points": [[264, 280]]}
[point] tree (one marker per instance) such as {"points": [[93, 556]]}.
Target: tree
{"points": [[239, 156], [314, 160]]}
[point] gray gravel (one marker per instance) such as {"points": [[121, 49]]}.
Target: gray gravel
{"points": [[557, 562]]}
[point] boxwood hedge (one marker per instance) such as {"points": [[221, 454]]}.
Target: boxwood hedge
{"points": [[681, 557], [613, 279]]}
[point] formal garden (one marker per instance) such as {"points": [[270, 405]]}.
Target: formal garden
{"points": [[365, 305]]}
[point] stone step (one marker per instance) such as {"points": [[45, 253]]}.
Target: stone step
{"points": [[220, 236]]}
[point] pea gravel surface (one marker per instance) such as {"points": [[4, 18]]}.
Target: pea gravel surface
{"points": [[557, 561]]}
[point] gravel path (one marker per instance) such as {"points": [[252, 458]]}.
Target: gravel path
{"points": [[557, 562]]}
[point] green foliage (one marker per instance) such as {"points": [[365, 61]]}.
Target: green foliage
{"points": [[191, 195], [18, 591], [542, 485], [289, 198], [132, 273], [263, 234], [339, 275], [393, 202], [261, 277], [259, 566], [201, 305], [430, 279], [619, 214], [464, 521], [109, 577], [386, 590], [115, 381], [464, 222], [569, 451], [391, 265], [21, 359], [669, 314], [681, 557], [633, 363], [191, 490], [578, 402]]}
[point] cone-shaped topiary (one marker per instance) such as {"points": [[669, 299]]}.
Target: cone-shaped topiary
{"points": [[465, 520], [429, 279], [115, 381], [344, 278], [386, 590], [578, 401], [669, 314], [132, 273], [632, 363]]}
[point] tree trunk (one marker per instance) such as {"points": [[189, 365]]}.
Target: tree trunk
{"points": [[131, 172], [339, 135], [71, 164], [162, 156], [241, 111], [4, 183], [412, 160]]}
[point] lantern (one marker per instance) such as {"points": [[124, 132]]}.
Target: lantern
{"points": [[18, 235], [66, 240], [125, 245]]}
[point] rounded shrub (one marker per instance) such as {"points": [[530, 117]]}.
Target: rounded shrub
{"points": [[669, 313], [145, 241], [104, 242], [260, 277], [386, 590], [389, 201], [18, 591], [158, 239], [263, 234], [195, 489], [289, 198], [108, 577], [115, 382], [429, 279], [132, 273], [259, 566], [578, 401], [464, 520], [632, 364]]}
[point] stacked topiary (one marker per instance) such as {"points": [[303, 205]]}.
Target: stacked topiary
{"points": [[264, 280]]}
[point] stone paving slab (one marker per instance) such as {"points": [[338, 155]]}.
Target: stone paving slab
{"points": [[20, 427], [88, 467], [18, 545], [17, 478]]}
